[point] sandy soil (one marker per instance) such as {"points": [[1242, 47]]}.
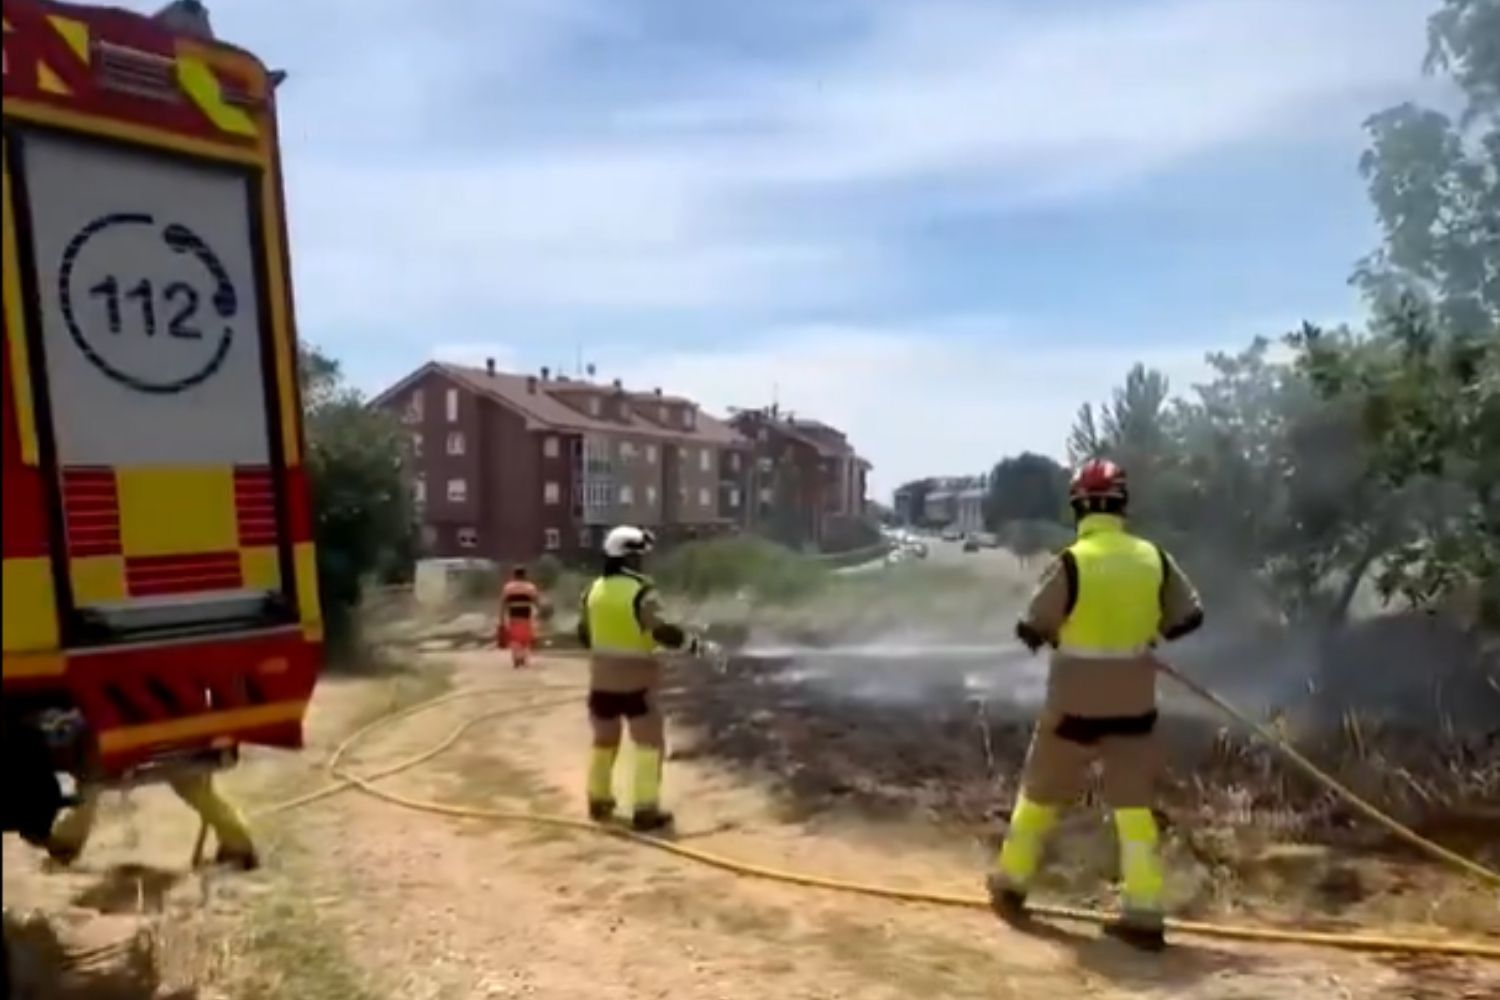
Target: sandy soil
{"points": [[362, 899]]}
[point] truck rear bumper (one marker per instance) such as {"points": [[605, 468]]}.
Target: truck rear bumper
{"points": [[140, 702]]}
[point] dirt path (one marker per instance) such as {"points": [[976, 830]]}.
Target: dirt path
{"points": [[363, 899]]}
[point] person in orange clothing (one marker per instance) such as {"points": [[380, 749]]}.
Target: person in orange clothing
{"points": [[520, 606]]}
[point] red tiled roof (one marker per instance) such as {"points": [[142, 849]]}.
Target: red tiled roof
{"points": [[537, 401]]}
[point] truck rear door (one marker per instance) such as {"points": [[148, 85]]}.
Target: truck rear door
{"points": [[153, 375]]}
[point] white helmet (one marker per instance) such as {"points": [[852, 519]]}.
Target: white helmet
{"points": [[628, 540]]}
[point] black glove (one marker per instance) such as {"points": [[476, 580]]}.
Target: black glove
{"points": [[1030, 637]]}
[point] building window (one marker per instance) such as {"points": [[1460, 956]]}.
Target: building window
{"points": [[734, 461], [705, 498], [765, 464], [627, 449], [452, 406], [651, 453], [552, 539], [585, 537], [734, 496], [664, 413], [765, 494], [414, 408], [763, 435], [468, 538], [551, 494], [551, 447], [456, 442], [419, 491], [687, 417], [627, 494], [429, 537], [651, 496], [596, 406], [705, 460], [416, 446], [458, 490]]}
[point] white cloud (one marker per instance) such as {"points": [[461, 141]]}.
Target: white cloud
{"points": [[703, 203], [917, 402]]}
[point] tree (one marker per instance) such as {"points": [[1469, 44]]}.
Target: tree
{"points": [[1435, 182], [1026, 487], [358, 472]]}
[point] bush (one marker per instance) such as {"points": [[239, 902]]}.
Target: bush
{"points": [[546, 571], [767, 571]]}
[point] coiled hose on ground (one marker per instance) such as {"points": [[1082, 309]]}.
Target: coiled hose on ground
{"points": [[346, 779]]}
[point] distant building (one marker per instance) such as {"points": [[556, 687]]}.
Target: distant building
{"points": [[807, 484], [955, 502], [510, 466]]}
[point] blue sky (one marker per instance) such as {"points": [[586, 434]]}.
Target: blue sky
{"points": [[940, 225]]}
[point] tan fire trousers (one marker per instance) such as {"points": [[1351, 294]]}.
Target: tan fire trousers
{"points": [[1057, 770]]}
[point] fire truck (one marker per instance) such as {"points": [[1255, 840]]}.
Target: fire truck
{"points": [[160, 587]]}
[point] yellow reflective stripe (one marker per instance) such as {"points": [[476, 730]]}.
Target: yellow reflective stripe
{"points": [[177, 510], [48, 80], [15, 327], [210, 724], [198, 81], [109, 128], [30, 608], [305, 565], [75, 33], [260, 569], [35, 665], [1140, 859], [1030, 822], [98, 579]]}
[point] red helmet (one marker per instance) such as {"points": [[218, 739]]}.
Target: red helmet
{"points": [[1098, 479]]}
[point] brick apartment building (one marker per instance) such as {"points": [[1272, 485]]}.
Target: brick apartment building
{"points": [[806, 483], [510, 466]]}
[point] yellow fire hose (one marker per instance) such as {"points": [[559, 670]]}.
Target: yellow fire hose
{"points": [[345, 779]]}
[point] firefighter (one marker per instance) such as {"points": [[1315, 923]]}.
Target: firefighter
{"points": [[520, 605], [1101, 605], [236, 847], [621, 624]]}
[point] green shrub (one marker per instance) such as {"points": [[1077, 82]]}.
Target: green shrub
{"points": [[767, 571]]}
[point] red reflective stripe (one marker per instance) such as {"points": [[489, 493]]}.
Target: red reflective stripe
{"points": [[255, 506], [149, 576], [299, 526], [91, 511]]}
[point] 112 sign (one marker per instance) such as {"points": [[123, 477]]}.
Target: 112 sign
{"points": [[180, 298]]}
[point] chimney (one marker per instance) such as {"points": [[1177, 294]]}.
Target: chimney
{"points": [[657, 390], [619, 385], [546, 373], [531, 384], [489, 366]]}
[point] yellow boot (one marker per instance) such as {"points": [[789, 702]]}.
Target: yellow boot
{"points": [[648, 813], [601, 785], [1020, 856], [1142, 878], [236, 847]]}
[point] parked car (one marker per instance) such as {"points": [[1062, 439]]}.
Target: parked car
{"points": [[987, 540], [971, 543], [951, 534]]}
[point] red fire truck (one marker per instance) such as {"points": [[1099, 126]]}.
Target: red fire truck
{"points": [[160, 589]]}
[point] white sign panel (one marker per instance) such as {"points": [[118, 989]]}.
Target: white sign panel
{"points": [[149, 314]]}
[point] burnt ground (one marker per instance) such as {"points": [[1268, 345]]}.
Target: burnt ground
{"points": [[1244, 828]]}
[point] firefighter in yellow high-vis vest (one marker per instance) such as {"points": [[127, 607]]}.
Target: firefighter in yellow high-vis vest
{"points": [[1102, 605], [622, 626]]}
